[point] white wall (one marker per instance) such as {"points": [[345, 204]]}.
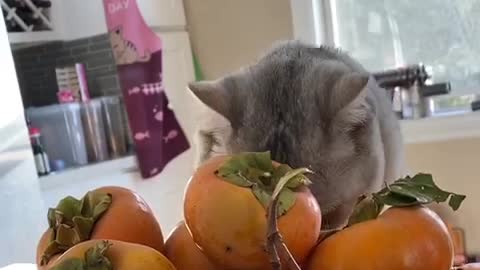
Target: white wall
{"points": [[454, 165], [10, 99], [20, 199], [87, 18], [227, 35]]}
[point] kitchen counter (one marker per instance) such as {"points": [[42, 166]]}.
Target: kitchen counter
{"points": [[164, 192], [28, 197], [122, 165], [415, 131], [20, 266], [441, 128]]}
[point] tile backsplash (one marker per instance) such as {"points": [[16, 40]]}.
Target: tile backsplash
{"points": [[36, 68]]}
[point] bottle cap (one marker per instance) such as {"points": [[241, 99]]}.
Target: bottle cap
{"points": [[34, 132]]}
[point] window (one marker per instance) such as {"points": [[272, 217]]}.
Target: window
{"points": [[381, 34]]}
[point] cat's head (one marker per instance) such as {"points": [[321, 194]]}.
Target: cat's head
{"points": [[307, 106]]}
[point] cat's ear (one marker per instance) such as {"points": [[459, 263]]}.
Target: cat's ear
{"points": [[213, 94], [350, 93], [350, 90]]}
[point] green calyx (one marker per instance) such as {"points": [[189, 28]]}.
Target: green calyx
{"points": [[408, 191], [72, 221], [255, 171], [94, 259]]}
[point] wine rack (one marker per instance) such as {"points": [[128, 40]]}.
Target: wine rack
{"points": [[27, 15]]}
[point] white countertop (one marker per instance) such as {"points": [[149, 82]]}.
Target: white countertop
{"points": [[425, 130], [20, 266], [441, 128], [126, 164], [28, 198]]}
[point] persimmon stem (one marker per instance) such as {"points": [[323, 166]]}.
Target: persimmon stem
{"points": [[272, 233], [274, 238]]}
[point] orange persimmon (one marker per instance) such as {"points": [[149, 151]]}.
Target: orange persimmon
{"points": [[113, 213], [229, 223], [402, 238]]}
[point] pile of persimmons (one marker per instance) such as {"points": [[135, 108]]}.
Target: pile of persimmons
{"points": [[248, 212]]}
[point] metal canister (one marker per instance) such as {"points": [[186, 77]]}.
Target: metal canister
{"points": [[115, 126], [94, 128]]}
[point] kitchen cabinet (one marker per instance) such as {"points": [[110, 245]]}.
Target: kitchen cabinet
{"points": [[73, 19]]}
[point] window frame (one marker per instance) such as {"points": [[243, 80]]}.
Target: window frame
{"points": [[312, 21]]}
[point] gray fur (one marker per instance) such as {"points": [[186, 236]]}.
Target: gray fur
{"points": [[313, 107]]}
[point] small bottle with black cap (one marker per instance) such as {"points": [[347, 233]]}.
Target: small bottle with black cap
{"points": [[40, 156]]}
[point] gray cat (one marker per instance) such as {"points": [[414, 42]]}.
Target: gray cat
{"points": [[313, 107]]}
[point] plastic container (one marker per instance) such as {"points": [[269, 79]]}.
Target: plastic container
{"points": [[94, 130], [62, 132], [115, 129]]}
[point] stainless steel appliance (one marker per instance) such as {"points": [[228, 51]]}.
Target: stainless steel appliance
{"points": [[409, 90]]}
